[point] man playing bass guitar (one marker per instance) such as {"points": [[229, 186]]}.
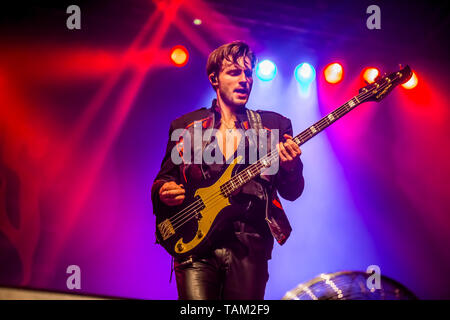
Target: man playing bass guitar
{"points": [[236, 264]]}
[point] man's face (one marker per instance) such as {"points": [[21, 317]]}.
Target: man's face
{"points": [[235, 82]]}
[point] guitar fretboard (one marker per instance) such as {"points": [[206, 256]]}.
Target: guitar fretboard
{"points": [[256, 168]]}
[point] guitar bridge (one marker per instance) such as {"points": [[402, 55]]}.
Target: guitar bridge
{"points": [[165, 229]]}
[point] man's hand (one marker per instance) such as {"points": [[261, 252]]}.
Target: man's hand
{"points": [[172, 194], [289, 153]]}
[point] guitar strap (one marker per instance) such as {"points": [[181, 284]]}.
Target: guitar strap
{"points": [[254, 120], [256, 123]]}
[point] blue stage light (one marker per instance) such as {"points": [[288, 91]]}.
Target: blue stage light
{"points": [[266, 70], [305, 73]]}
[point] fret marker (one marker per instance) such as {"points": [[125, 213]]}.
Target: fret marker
{"points": [[331, 117], [314, 130], [351, 103], [265, 163]]}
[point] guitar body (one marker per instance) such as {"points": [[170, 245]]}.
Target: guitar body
{"points": [[192, 227]]}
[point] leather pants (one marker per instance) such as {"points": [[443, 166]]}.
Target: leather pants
{"points": [[235, 271]]}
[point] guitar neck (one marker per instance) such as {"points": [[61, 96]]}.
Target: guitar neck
{"points": [[329, 119], [256, 168]]}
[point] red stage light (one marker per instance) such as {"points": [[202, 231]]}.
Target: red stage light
{"points": [[411, 82], [333, 73], [179, 56], [369, 74]]}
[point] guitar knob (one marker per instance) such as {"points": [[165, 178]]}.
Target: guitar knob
{"points": [[200, 234], [180, 247]]}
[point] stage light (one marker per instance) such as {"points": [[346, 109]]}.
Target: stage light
{"points": [[266, 70], [305, 73], [369, 74], [411, 83], [197, 22], [179, 56], [333, 73]]}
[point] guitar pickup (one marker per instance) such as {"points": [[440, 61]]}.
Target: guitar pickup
{"points": [[166, 229]]}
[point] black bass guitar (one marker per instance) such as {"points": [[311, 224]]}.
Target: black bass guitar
{"points": [[190, 229]]}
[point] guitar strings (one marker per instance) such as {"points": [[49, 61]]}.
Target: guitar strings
{"points": [[227, 188], [177, 223], [212, 200], [191, 213], [257, 166]]}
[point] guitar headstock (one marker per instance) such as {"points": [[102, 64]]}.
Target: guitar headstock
{"points": [[383, 85]]}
